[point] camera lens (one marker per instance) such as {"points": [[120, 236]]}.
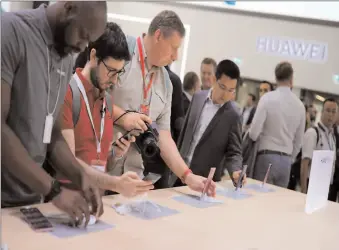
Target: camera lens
{"points": [[150, 148]]}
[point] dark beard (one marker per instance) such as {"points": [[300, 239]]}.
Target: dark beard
{"points": [[60, 44], [94, 78]]}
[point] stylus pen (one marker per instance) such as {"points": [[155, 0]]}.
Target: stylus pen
{"points": [[242, 174], [266, 176], [208, 182]]}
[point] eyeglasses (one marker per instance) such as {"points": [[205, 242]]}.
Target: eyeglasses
{"points": [[263, 90], [113, 72], [224, 88]]}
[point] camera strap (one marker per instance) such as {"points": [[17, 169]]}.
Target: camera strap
{"points": [[144, 107]]}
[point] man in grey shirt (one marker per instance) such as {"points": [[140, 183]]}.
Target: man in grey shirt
{"points": [[35, 68], [278, 125]]}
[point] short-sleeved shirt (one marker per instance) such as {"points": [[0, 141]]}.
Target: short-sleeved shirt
{"points": [[326, 141], [26, 36], [85, 140], [129, 96]]}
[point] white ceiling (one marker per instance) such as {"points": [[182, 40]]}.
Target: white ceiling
{"points": [[322, 10]]}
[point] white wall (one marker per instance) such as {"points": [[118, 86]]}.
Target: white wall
{"points": [[16, 5], [223, 35]]}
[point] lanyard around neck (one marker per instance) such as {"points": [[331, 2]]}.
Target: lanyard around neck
{"points": [[146, 86], [102, 124]]}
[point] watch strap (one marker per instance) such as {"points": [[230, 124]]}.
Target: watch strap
{"points": [[54, 191]]}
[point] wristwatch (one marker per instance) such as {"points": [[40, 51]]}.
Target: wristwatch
{"points": [[55, 190]]}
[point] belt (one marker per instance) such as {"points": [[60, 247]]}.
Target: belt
{"points": [[272, 152]]}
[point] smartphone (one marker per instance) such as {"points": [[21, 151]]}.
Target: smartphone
{"points": [[153, 177], [36, 219], [127, 136]]}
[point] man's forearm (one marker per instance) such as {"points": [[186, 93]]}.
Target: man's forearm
{"points": [[170, 154], [62, 158], [117, 112], [102, 180], [16, 159]]}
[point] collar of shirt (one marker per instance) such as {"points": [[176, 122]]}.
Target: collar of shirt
{"points": [[89, 88], [43, 25], [284, 88], [154, 68], [210, 101], [324, 128], [189, 97]]}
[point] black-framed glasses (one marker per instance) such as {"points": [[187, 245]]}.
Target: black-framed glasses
{"points": [[113, 72], [224, 88]]}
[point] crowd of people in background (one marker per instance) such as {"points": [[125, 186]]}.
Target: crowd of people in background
{"points": [[73, 138]]}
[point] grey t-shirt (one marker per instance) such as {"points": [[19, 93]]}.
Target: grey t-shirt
{"points": [[25, 36]]}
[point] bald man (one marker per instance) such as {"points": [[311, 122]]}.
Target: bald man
{"points": [[36, 67]]}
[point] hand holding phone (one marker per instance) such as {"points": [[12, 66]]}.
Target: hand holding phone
{"points": [[127, 136], [153, 177], [130, 184]]}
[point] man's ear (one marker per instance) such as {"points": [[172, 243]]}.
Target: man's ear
{"points": [[157, 35], [70, 8], [93, 57]]}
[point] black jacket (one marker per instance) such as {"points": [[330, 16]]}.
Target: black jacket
{"points": [[177, 110]]}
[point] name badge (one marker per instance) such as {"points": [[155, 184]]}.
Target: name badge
{"points": [[99, 165]]}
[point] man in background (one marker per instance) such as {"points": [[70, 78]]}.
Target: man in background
{"points": [[36, 66], [207, 73], [191, 85], [278, 125], [212, 128], [320, 137], [312, 111], [248, 112], [264, 88], [177, 109]]}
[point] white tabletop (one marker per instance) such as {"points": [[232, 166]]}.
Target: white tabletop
{"points": [[265, 221]]}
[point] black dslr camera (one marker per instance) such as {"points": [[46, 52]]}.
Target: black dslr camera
{"points": [[147, 142]]}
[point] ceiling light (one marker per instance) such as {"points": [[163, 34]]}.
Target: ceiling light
{"points": [[320, 98]]}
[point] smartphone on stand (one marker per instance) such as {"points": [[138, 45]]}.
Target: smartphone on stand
{"points": [[153, 177], [36, 219]]}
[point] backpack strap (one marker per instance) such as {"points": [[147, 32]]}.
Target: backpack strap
{"points": [[317, 131], [76, 103]]}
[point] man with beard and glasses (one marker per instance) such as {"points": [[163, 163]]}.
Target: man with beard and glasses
{"points": [[90, 136], [36, 66]]}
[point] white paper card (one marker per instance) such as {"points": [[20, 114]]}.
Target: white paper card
{"points": [[319, 182], [48, 129]]}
